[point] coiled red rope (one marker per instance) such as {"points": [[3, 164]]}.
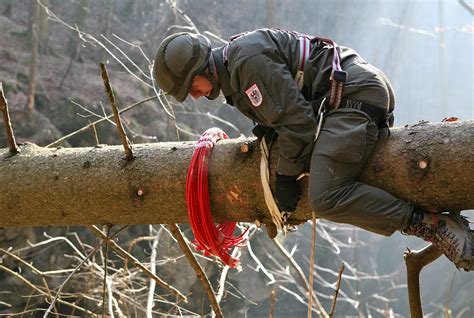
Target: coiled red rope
{"points": [[212, 239]]}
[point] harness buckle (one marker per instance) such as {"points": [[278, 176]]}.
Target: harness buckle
{"points": [[339, 76]]}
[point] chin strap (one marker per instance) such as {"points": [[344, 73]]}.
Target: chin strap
{"points": [[208, 73]]}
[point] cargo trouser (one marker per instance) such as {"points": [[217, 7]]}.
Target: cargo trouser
{"points": [[347, 138]]}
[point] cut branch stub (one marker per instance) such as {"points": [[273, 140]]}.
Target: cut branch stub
{"points": [[118, 121], [6, 121]]}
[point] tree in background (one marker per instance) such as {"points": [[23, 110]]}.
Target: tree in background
{"points": [[34, 27]]}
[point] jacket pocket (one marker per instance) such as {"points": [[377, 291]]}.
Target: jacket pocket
{"points": [[343, 137]]}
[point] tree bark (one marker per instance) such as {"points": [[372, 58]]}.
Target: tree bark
{"points": [[430, 165]]}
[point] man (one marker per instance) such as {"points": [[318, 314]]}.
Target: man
{"points": [[286, 81]]}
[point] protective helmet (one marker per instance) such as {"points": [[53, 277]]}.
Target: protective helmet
{"points": [[180, 57]]}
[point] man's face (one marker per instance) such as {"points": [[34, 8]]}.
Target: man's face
{"points": [[200, 86]]}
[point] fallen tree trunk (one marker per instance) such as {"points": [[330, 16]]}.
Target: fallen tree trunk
{"points": [[427, 164]]}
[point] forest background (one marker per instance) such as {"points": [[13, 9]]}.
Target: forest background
{"points": [[425, 47]]}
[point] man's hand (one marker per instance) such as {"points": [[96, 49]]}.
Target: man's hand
{"points": [[288, 192]]}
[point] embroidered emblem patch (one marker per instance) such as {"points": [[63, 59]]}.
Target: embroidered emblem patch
{"points": [[254, 95]]}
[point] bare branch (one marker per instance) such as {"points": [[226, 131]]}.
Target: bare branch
{"points": [[135, 46], [469, 7], [126, 56], [300, 272], [86, 128], [34, 270], [212, 117], [135, 242], [197, 268], [85, 109], [272, 303], [259, 264], [159, 94], [120, 251], [183, 15], [235, 254], [107, 227], [415, 261], [216, 37], [311, 266], [27, 282], [151, 289], [336, 292], [56, 298], [88, 38]]}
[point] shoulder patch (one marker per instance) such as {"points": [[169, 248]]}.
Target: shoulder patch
{"points": [[254, 94]]}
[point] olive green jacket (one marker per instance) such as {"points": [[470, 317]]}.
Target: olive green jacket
{"points": [[257, 77]]}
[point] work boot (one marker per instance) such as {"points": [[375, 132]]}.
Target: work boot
{"points": [[450, 233]]}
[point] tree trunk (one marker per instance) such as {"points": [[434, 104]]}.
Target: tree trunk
{"points": [[43, 27], [30, 104], [8, 10], [106, 15], [82, 11], [427, 164], [271, 13]]}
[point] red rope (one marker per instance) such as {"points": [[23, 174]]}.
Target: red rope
{"points": [[210, 238]]}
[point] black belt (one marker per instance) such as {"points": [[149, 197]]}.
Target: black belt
{"points": [[377, 114], [380, 116]]}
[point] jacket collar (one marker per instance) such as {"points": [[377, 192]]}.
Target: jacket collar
{"points": [[222, 72]]}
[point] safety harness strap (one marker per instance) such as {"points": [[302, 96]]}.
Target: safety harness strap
{"points": [[338, 76], [305, 46]]}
